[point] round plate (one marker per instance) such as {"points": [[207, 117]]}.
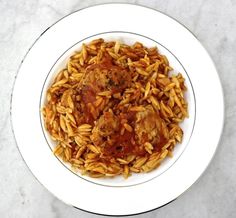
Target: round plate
{"points": [[143, 192]]}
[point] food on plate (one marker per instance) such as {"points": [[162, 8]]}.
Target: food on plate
{"points": [[115, 109]]}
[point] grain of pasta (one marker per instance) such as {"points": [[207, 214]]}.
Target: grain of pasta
{"points": [[115, 109]]}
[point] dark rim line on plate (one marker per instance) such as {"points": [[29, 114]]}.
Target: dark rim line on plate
{"points": [[35, 43], [41, 117]]}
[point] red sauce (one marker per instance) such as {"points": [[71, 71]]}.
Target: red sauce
{"points": [[115, 79], [123, 146], [107, 77], [161, 143], [88, 94]]}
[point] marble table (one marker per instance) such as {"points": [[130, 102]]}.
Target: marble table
{"points": [[213, 22]]}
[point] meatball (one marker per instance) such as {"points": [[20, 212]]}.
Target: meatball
{"points": [[106, 126], [148, 126], [107, 76]]}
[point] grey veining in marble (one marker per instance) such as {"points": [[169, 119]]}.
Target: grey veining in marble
{"points": [[214, 24]]}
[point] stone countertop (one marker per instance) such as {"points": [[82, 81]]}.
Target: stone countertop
{"points": [[214, 24]]}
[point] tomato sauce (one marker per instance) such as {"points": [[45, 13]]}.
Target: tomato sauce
{"points": [[107, 76]]}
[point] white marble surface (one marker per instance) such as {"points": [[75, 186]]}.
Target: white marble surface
{"points": [[213, 22]]}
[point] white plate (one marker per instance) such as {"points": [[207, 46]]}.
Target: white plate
{"points": [[127, 23]]}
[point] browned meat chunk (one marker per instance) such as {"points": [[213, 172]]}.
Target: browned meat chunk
{"points": [[106, 125], [148, 126]]}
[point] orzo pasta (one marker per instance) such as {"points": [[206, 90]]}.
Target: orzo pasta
{"points": [[115, 109]]}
